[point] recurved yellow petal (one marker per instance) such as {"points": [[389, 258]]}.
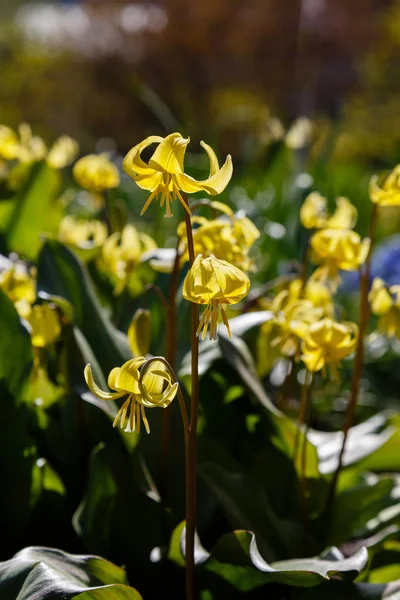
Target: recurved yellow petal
{"points": [[94, 388]]}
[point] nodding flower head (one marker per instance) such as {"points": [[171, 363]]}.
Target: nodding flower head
{"points": [[96, 173], [214, 282], [151, 389]]}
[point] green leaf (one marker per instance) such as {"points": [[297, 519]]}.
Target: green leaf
{"points": [[36, 211], [15, 346], [39, 573], [336, 590], [61, 273], [355, 507], [18, 463], [247, 506], [209, 351], [97, 504], [363, 440], [239, 549], [112, 592]]}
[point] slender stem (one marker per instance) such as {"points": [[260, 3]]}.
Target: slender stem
{"points": [[170, 355], [359, 357], [155, 288], [190, 462], [302, 412]]}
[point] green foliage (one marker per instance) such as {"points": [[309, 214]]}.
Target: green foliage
{"points": [[73, 482]]}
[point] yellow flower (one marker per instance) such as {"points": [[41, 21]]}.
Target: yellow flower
{"points": [[385, 303], [385, 190], [31, 147], [164, 174], [288, 308], [155, 390], [63, 152], [139, 332], [326, 342], [8, 143], [228, 239], [337, 249], [316, 292], [96, 173], [81, 233], [214, 282], [122, 252], [313, 213], [45, 324], [18, 283], [300, 134]]}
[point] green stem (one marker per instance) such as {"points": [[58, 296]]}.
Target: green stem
{"points": [[190, 460], [359, 358]]}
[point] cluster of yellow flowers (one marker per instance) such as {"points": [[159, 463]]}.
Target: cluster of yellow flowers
{"points": [[303, 327], [335, 245], [19, 284], [24, 148], [303, 324]]}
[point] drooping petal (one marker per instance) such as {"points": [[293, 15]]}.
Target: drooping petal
{"points": [[169, 155], [345, 215], [133, 164], [158, 400], [214, 164], [94, 388], [213, 185]]}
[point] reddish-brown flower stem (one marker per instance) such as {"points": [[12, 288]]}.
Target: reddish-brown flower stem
{"points": [[359, 357], [190, 446], [170, 355]]}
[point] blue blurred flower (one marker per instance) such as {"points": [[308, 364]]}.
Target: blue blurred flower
{"points": [[385, 264]]}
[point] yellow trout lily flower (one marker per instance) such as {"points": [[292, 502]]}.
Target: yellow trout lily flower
{"points": [[316, 292], [385, 190], [9, 144], [314, 215], [63, 152], [96, 173], [288, 308], [122, 252], [31, 147], [18, 283], [155, 389], [228, 239], [81, 233], [164, 175], [214, 282], [326, 342], [337, 249], [385, 303], [45, 325]]}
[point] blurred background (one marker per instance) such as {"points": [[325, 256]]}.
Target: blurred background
{"points": [[110, 72]]}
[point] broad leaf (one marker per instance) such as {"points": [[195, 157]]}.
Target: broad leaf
{"points": [[15, 346], [39, 573], [236, 558], [36, 211], [63, 274]]}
